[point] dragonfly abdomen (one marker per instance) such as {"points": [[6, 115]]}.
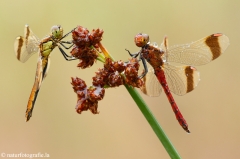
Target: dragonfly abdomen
{"points": [[161, 78]]}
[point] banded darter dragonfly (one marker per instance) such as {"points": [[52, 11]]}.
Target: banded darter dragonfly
{"points": [[177, 79], [25, 46]]}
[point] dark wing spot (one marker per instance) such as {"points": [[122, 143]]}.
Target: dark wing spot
{"points": [[212, 42], [190, 80], [20, 45]]}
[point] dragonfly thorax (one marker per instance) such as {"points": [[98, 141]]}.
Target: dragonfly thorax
{"points": [[153, 55], [46, 47], [57, 32]]}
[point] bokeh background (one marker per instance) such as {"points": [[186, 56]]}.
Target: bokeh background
{"points": [[120, 130]]}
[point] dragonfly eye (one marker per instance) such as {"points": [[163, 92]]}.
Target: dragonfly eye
{"points": [[141, 39], [57, 31]]}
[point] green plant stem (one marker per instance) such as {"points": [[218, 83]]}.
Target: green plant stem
{"points": [[153, 123], [99, 58]]}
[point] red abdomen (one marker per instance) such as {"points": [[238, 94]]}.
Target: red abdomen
{"points": [[161, 78]]}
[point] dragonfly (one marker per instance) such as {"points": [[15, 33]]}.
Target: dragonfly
{"points": [[182, 79], [25, 46]]}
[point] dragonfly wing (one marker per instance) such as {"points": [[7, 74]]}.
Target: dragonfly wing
{"points": [[181, 79], [35, 89], [151, 85], [26, 46], [199, 52]]}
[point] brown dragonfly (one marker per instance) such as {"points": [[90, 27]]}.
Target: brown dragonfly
{"points": [[25, 46]]}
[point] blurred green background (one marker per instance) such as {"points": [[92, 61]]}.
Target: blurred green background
{"points": [[120, 130]]}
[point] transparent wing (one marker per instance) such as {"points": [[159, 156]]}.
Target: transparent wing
{"points": [[151, 85], [199, 52], [181, 79], [26, 46]]}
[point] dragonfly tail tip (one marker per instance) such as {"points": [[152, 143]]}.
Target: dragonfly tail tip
{"points": [[27, 118]]}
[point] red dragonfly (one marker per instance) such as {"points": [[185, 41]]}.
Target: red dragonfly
{"points": [[177, 79]]}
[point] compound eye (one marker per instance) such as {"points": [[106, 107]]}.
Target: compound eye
{"points": [[55, 29], [145, 38], [141, 39]]}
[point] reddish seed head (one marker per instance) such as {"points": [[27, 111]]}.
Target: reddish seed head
{"points": [[96, 36], [96, 93], [115, 79], [84, 105], [119, 66], [100, 78], [84, 42], [110, 74], [131, 73], [109, 65], [81, 36], [78, 84], [141, 39], [81, 94], [93, 107], [86, 55], [87, 98]]}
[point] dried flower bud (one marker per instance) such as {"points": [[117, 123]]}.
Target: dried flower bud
{"points": [[110, 74], [78, 84], [115, 79], [81, 36], [93, 107], [131, 73], [86, 45], [84, 105], [101, 78], [109, 65], [96, 36], [119, 66], [86, 55], [96, 93]]}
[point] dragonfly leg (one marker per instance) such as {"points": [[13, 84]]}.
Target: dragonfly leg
{"points": [[67, 57], [67, 42], [145, 67], [132, 55], [143, 61], [68, 33]]}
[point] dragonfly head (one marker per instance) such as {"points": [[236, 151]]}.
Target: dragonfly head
{"points": [[141, 39], [57, 31]]}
